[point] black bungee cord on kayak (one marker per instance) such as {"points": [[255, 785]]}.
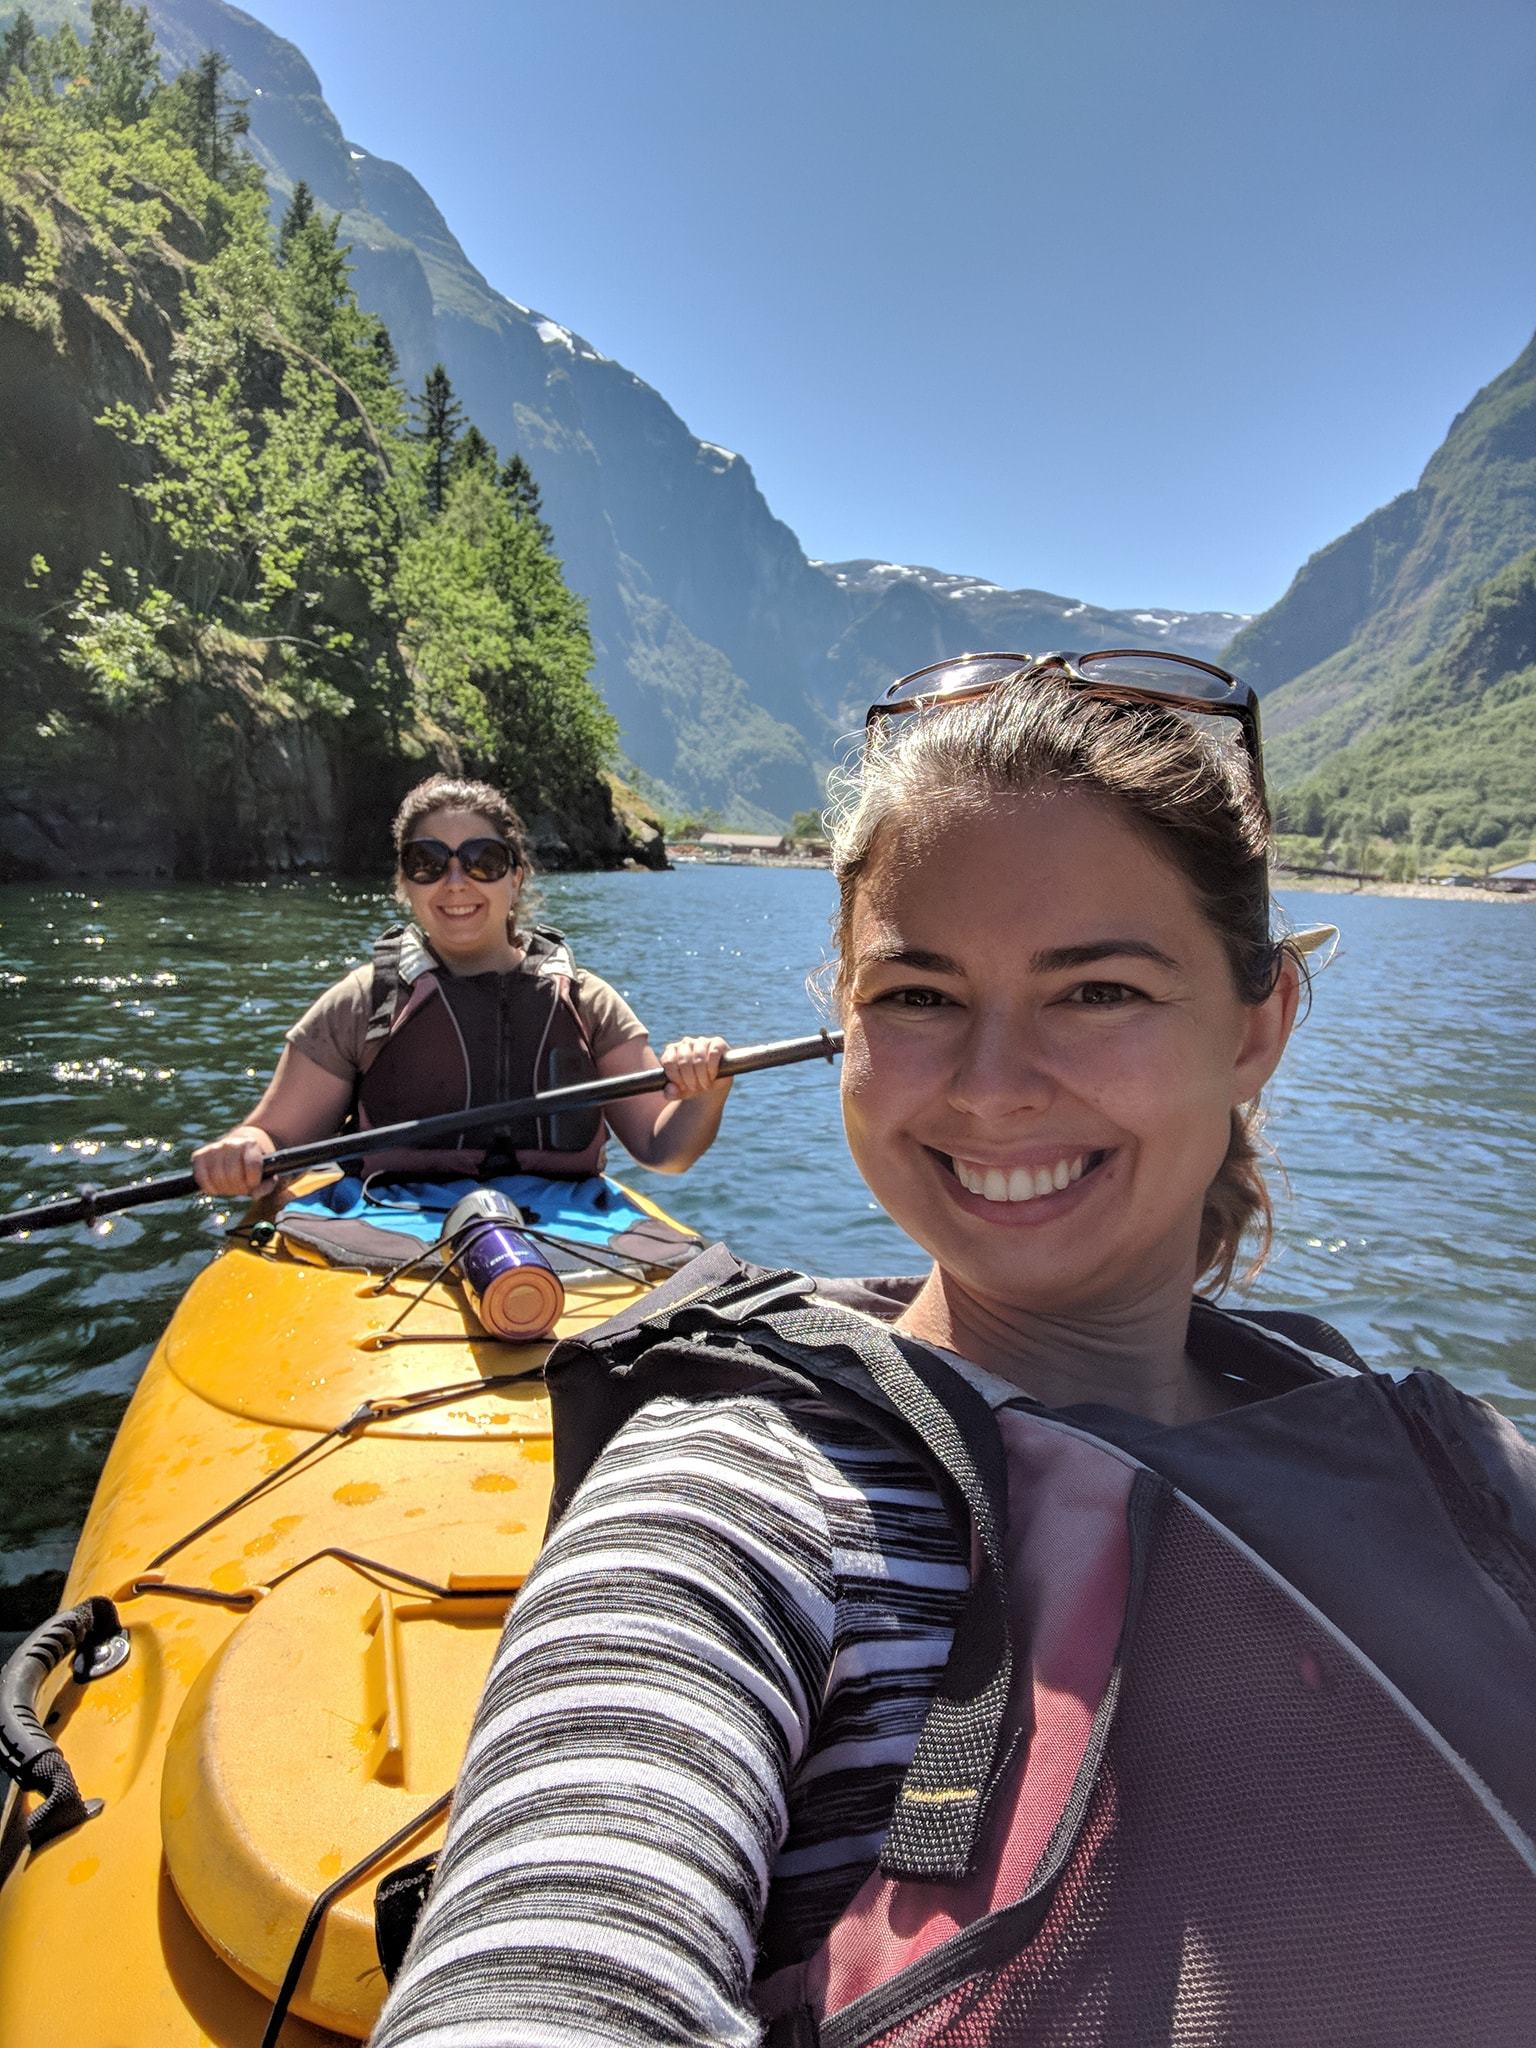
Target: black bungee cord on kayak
{"points": [[453, 1249], [378, 1408], [276, 2019]]}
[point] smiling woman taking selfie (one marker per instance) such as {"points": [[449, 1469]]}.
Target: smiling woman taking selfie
{"points": [[1038, 1652], [463, 1005]]}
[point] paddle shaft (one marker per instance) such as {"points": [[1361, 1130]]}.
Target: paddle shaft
{"points": [[89, 1203]]}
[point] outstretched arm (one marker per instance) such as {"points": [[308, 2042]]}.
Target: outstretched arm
{"points": [[728, 1646], [625, 1788]]}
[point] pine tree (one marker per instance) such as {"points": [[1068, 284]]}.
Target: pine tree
{"points": [[471, 451], [211, 121], [317, 284], [517, 481], [121, 61], [55, 64], [21, 51], [319, 308], [299, 213], [382, 344], [439, 419], [501, 646]]}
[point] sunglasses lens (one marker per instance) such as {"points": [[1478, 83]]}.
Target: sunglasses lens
{"points": [[1157, 674], [485, 860], [955, 678], [424, 860]]}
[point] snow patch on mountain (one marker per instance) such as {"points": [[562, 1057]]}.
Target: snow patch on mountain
{"points": [[553, 335]]}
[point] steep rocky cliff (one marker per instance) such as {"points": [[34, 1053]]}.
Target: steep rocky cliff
{"points": [[222, 773]]}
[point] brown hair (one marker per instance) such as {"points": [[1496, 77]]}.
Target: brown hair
{"points": [[1188, 792], [458, 793]]}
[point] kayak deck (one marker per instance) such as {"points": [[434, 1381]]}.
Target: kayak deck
{"points": [[302, 1672]]}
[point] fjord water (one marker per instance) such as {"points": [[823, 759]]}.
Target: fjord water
{"points": [[136, 1020]]}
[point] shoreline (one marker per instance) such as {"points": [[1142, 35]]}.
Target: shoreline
{"points": [[1425, 892], [1315, 885]]}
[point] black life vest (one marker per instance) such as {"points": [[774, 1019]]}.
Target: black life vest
{"points": [[438, 1042], [1234, 1744]]}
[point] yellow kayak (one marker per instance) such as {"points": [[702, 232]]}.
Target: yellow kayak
{"points": [[301, 1671]]}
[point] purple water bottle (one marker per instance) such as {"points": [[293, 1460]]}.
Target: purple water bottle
{"points": [[510, 1284]]}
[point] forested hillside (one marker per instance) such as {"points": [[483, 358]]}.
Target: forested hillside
{"points": [[250, 587], [1445, 777], [1395, 666]]}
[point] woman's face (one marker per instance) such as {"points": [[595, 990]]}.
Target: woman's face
{"points": [[1044, 1046], [463, 919]]}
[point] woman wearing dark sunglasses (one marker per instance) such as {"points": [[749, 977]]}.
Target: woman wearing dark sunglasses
{"points": [[1037, 1652], [465, 1004]]}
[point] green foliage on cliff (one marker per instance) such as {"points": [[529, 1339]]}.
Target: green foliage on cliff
{"points": [[1390, 670], [1448, 777], [288, 503]]}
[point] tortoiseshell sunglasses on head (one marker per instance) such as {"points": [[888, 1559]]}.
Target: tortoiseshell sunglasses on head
{"points": [[1127, 675]]}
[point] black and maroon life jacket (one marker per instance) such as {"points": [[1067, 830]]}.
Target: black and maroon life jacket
{"points": [[1235, 1741], [438, 1042]]}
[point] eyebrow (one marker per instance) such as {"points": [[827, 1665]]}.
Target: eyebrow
{"points": [[1053, 960], [1056, 957]]}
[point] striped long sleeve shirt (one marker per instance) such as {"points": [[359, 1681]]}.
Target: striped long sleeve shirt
{"points": [[690, 1741]]}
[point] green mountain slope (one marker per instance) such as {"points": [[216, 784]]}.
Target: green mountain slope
{"points": [[1447, 773], [1333, 655]]}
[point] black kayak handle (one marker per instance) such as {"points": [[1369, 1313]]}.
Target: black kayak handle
{"points": [[95, 1635]]}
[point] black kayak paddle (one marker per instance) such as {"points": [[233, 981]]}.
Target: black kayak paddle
{"points": [[88, 1203]]}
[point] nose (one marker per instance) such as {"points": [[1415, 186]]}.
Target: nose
{"points": [[1001, 1070]]}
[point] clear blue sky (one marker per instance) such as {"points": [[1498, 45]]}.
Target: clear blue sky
{"points": [[1136, 300]]}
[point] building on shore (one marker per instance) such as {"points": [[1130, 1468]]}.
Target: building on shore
{"points": [[1520, 874], [750, 849], [753, 844]]}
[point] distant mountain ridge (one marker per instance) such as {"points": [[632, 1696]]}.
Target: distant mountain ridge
{"points": [[732, 662]]}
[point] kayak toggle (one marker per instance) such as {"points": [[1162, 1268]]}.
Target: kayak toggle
{"points": [[28, 1754]]}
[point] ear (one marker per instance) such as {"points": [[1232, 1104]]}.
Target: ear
{"points": [[1266, 1029]]}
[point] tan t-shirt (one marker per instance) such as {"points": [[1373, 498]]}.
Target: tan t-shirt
{"points": [[332, 1031]]}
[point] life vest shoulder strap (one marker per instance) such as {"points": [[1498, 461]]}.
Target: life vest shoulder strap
{"points": [[385, 989], [1276, 1349], [1328, 1347], [548, 953]]}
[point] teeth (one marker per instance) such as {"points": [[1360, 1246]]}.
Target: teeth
{"points": [[1019, 1183]]}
